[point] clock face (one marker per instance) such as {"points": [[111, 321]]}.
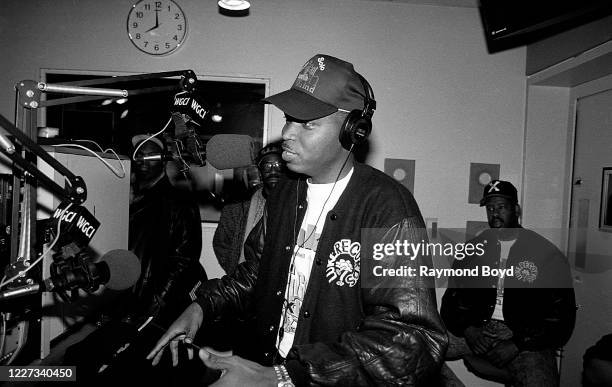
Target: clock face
{"points": [[156, 27]]}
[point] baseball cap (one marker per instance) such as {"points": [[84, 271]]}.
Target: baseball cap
{"points": [[324, 85], [500, 188], [137, 139], [274, 147]]}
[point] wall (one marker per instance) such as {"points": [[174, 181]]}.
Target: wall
{"points": [[442, 99], [546, 164]]}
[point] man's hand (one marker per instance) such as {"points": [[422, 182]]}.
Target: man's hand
{"points": [[502, 353], [237, 371], [479, 340], [184, 328]]}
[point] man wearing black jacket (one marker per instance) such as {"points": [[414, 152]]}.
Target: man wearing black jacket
{"points": [[321, 319], [518, 320], [165, 234]]}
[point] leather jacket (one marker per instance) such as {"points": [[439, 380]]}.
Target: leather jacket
{"points": [[539, 303], [368, 332], [165, 234]]}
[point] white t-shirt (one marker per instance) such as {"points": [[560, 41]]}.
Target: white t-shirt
{"points": [[303, 254], [498, 313]]}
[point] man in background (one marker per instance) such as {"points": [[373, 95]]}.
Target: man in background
{"points": [[511, 322], [238, 219], [165, 235]]}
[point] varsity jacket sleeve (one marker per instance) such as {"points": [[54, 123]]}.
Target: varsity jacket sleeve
{"points": [[556, 298], [400, 341]]}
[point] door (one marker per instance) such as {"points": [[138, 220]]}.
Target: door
{"points": [[590, 248]]}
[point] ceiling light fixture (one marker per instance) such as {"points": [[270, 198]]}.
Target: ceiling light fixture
{"points": [[234, 7]]}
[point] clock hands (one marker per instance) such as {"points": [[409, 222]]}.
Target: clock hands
{"points": [[156, 22]]}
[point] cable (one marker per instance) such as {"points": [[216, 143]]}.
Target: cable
{"points": [[108, 150], [322, 209], [3, 334], [119, 174], [22, 273], [90, 141], [150, 137]]}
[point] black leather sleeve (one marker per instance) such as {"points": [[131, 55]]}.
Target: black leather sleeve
{"points": [[182, 263], [232, 294]]}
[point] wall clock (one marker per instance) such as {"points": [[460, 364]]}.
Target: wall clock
{"points": [[157, 27]]}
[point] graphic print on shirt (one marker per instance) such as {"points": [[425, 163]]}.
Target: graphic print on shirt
{"points": [[299, 272], [343, 264]]}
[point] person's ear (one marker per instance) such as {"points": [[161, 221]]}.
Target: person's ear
{"points": [[517, 210]]}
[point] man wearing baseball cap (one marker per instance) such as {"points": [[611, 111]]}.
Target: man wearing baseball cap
{"points": [[513, 322], [321, 318]]}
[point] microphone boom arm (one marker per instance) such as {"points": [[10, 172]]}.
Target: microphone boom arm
{"points": [[29, 93]]}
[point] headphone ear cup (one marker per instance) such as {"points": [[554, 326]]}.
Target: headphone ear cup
{"points": [[355, 129]]}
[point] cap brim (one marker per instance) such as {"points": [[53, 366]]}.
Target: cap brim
{"points": [[483, 201], [141, 137], [300, 105]]}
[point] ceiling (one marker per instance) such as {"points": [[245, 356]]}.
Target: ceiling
{"points": [[441, 3]]}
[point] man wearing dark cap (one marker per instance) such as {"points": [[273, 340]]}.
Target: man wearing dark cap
{"points": [[512, 322], [321, 317], [238, 219]]}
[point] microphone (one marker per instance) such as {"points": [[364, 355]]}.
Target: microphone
{"points": [[227, 151], [191, 105], [118, 269], [78, 225], [188, 108]]}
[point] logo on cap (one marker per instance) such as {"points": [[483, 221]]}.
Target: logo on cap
{"points": [[493, 186], [306, 79], [321, 61]]}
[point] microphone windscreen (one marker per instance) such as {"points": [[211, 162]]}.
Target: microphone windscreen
{"points": [[124, 269], [227, 151]]}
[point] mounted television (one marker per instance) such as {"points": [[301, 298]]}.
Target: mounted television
{"points": [[512, 23]]}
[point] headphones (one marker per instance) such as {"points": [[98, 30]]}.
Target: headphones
{"points": [[358, 123]]}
